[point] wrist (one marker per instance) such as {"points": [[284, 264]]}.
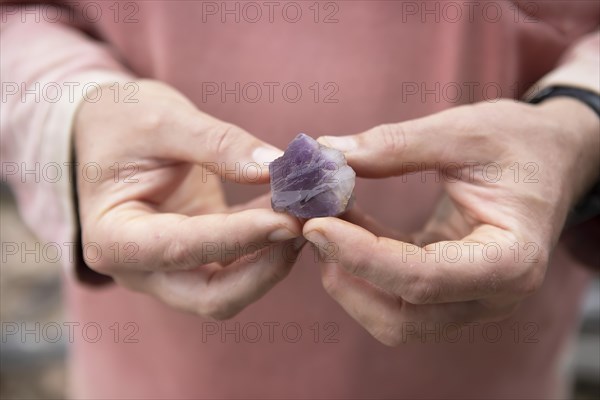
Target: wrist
{"points": [[579, 127]]}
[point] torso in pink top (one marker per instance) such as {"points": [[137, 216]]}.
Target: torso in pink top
{"points": [[373, 62]]}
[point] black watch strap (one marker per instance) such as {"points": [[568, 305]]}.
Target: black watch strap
{"points": [[589, 206], [587, 97]]}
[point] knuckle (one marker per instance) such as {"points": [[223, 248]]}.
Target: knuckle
{"points": [[329, 280], [218, 310], [422, 292], [421, 287], [532, 281], [357, 265], [530, 286], [392, 137], [528, 276], [221, 137], [180, 256], [151, 121], [95, 255], [388, 334], [95, 259]]}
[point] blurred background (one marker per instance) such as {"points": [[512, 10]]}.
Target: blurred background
{"points": [[30, 293]]}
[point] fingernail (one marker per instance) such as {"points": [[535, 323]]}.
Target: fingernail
{"points": [[342, 143], [281, 234], [315, 237], [265, 155]]}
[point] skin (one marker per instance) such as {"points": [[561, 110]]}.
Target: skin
{"points": [[441, 274], [176, 235], [382, 278]]}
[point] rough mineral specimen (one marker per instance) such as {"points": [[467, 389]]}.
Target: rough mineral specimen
{"points": [[311, 180]]}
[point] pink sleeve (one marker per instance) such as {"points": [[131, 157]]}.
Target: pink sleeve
{"points": [[46, 68]]}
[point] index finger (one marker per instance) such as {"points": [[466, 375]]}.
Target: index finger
{"points": [[480, 266], [176, 242]]}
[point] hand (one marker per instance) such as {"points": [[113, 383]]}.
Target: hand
{"points": [[487, 245], [158, 214]]}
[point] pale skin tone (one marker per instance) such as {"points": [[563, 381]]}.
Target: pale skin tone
{"points": [[192, 248], [381, 277], [384, 283]]}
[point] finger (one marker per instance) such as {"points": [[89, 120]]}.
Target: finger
{"points": [[221, 292], [393, 149], [223, 149], [479, 266], [172, 241], [377, 311], [358, 217], [262, 201], [393, 321]]}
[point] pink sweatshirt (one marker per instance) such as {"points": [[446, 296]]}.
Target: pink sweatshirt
{"points": [[357, 64]]}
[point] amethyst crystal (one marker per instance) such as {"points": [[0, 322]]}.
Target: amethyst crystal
{"points": [[311, 180]]}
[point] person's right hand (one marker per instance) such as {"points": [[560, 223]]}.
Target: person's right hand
{"points": [[157, 213]]}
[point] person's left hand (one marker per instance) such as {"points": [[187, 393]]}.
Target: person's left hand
{"points": [[511, 173]]}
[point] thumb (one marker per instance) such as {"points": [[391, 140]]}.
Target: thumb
{"points": [[225, 150], [395, 149]]}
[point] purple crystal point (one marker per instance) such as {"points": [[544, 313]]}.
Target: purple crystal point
{"points": [[311, 180]]}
